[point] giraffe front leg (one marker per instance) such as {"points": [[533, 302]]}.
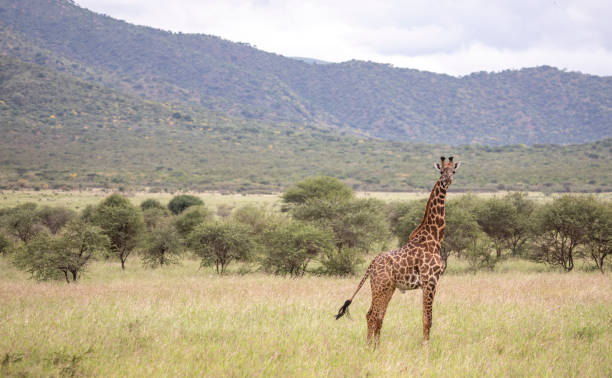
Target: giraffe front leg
{"points": [[429, 291]]}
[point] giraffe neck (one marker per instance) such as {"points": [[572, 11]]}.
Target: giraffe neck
{"points": [[434, 218]]}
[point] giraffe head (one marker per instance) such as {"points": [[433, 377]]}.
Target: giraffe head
{"points": [[447, 170]]}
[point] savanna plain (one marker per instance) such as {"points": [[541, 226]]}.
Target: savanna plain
{"points": [[522, 319]]}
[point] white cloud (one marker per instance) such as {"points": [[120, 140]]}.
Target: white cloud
{"points": [[442, 36]]}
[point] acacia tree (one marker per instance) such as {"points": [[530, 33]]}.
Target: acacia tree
{"points": [[316, 188], [23, 221], [496, 218], [52, 257], [562, 226], [220, 243], [5, 245], [462, 230], [122, 223], [179, 203], [356, 223], [162, 245], [598, 241], [292, 245], [54, 218], [190, 218]]}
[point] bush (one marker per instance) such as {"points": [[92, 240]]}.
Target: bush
{"points": [[179, 203], [162, 245], [5, 245], [479, 254], [151, 203], [190, 218], [317, 188], [340, 262], [292, 245], [49, 257], [219, 244], [561, 227], [356, 223], [152, 216], [54, 218], [405, 217], [23, 221], [122, 222]]}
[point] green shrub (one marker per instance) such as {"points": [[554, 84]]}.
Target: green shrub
{"points": [[190, 218], [151, 203], [54, 218], [220, 243], [49, 257], [123, 224], [291, 246], [162, 245], [340, 262], [179, 203]]}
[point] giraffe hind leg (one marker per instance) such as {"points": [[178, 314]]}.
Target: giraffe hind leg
{"points": [[376, 314]]}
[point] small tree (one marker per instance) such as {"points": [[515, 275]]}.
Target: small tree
{"points": [[179, 203], [5, 245], [561, 227], [154, 216], [151, 203], [292, 245], [598, 241], [162, 245], [190, 218], [54, 257], [122, 223], [340, 262], [405, 218], [54, 218], [496, 217], [461, 229], [479, 254], [356, 223], [319, 187], [520, 228], [220, 243], [23, 221]]}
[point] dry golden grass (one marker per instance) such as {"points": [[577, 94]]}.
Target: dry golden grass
{"points": [[181, 321]]}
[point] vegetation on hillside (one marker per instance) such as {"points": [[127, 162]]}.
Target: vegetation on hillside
{"points": [[536, 105], [61, 132]]}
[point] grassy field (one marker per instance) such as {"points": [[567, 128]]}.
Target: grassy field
{"points": [[181, 321]]}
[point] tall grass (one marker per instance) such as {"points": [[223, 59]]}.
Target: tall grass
{"points": [[185, 321]]}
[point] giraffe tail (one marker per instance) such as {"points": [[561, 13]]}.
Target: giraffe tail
{"points": [[344, 309]]}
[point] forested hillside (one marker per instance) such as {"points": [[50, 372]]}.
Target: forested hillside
{"points": [[59, 131], [529, 106]]}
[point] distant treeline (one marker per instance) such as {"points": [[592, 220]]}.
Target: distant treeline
{"points": [[322, 229]]}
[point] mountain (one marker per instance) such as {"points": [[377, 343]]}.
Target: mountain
{"points": [[529, 106], [58, 131]]}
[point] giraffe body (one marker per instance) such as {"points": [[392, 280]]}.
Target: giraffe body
{"points": [[417, 264]]}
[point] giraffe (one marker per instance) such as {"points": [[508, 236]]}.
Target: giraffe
{"points": [[417, 264]]}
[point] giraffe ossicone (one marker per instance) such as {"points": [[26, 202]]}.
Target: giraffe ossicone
{"points": [[417, 264]]}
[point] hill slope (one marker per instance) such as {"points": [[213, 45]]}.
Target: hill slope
{"points": [[537, 105], [59, 131]]}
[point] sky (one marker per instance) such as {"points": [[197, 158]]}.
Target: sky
{"points": [[444, 36]]}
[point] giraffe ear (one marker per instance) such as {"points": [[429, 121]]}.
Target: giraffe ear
{"points": [[457, 165], [437, 166]]}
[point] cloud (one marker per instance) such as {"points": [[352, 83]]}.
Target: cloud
{"points": [[442, 36]]}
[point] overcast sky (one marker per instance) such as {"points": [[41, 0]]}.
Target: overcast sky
{"points": [[453, 37]]}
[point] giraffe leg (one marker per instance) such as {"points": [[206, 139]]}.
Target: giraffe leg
{"points": [[376, 314], [429, 291]]}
